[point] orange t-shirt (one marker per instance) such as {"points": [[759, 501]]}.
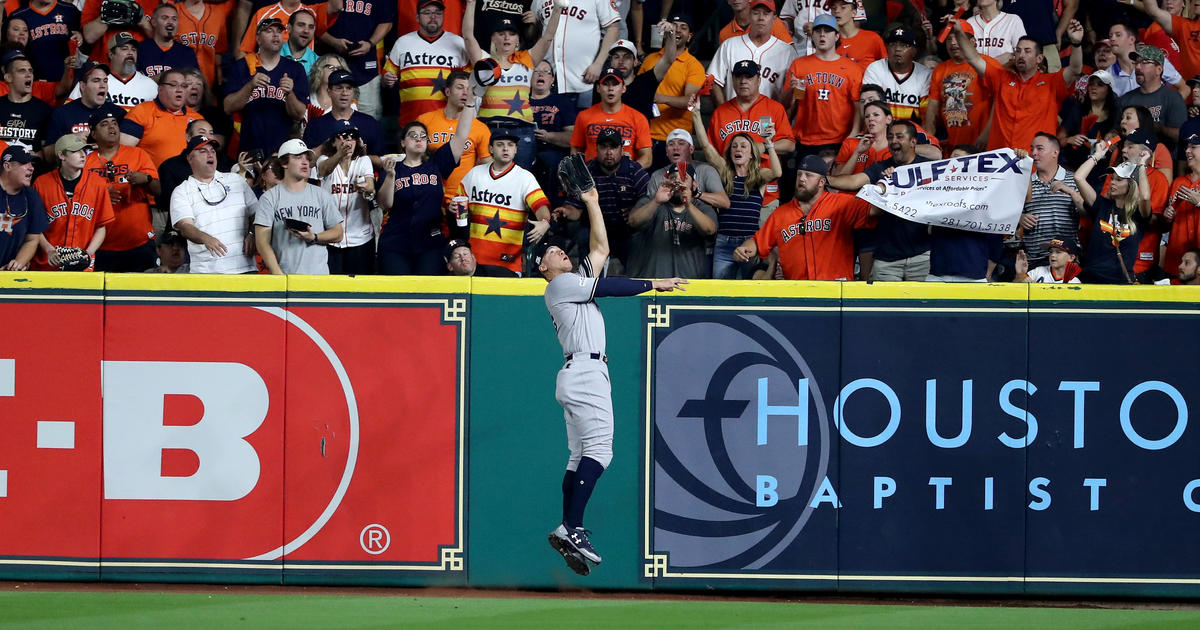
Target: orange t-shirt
{"points": [[132, 226], [320, 13], [864, 160], [162, 131], [732, 29], [73, 221], [819, 245], [207, 35], [825, 114], [1185, 228], [1023, 108], [685, 71], [965, 102], [863, 48], [1187, 34], [729, 119], [634, 128], [441, 131]]}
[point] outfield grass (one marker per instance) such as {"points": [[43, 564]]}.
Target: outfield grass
{"points": [[227, 612]]}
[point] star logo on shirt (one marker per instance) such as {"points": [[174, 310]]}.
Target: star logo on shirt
{"points": [[515, 104], [58, 19], [7, 221], [494, 224], [439, 84]]}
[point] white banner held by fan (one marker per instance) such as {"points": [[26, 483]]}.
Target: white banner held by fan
{"points": [[984, 192]]}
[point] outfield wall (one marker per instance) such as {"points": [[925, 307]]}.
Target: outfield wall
{"points": [[1000, 439]]}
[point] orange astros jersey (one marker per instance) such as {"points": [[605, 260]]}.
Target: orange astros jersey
{"points": [[73, 220], [825, 115], [441, 130], [499, 205], [729, 119], [205, 34], [132, 226], [819, 245], [422, 66]]}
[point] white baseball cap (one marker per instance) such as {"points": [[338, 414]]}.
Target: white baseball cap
{"points": [[295, 146], [623, 43], [681, 134], [1124, 170], [1102, 76]]}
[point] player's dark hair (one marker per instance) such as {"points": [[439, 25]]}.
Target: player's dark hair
{"points": [[909, 127], [1053, 139], [871, 87], [880, 105], [455, 75]]}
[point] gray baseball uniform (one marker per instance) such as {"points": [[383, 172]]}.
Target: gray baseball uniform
{"points": [[582, 387]]}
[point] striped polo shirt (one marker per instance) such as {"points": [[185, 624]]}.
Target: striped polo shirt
{"points": [[1056, 217]]}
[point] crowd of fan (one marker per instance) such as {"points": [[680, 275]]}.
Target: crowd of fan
{"points": [[353, 137]]}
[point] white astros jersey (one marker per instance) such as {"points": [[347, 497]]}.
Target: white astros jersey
{"points": [[802, 12], [774, 58], [498, 206], [908, 97], [580, 31], [571, 300], [999, 36], [126, 94]]}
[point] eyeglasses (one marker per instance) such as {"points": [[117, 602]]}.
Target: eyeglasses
{"points": [[349, 135], [213, 188], [545, 72], [417, 136], [171, 85]]}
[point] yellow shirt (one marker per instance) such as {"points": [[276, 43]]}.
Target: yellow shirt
{"points": [[686, 70], [441, 130]]}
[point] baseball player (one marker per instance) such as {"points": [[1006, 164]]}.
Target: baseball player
{"points": [[583, 387]]}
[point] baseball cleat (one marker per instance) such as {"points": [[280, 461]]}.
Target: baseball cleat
{"points": [[562, 544], [578, 538]]}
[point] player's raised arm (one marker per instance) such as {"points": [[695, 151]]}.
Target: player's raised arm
{"points": [[598, 241]]}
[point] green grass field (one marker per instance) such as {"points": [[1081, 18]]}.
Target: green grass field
{"points": [[229, 611]]}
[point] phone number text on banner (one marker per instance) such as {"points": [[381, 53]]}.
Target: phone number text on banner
{"points": [[984, 192]]}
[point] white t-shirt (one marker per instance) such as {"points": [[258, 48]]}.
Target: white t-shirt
{"points": [[577, 41], [126, 94], [908, 97], [357, 228], [774, 58], [1043, 274], [222, 209], [999, 36]]}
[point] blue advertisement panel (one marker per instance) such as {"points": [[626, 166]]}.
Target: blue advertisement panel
{"points": [[740, 443]]}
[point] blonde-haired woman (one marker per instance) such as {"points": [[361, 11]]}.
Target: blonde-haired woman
{"points": [[319, 101], [1118, 216], [744, 181]]}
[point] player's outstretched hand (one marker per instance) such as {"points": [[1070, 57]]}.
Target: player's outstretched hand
{"points": [[669, 284], [590, 195]]}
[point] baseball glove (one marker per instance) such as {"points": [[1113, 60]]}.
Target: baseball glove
{"points": [[73, 259], [574, 174], [121, 13]]}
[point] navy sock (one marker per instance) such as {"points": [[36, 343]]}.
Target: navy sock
{"points": [[586, 474], [568, 484]]}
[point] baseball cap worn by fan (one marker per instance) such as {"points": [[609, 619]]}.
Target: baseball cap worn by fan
{"points": [[87, 69], [825, 21], [295, 146], [680, 18], [901, 34], [121, 39], [609, 137], [170, 237], [1142, 137], [503, 133], [345, 127], [1124, 170], [610, 75], [813, 164], [454, 244], [270, 22], [16, 153], [505, 24], [421, 4], [681, 134], [1146, 52], [201, 141], [101, 115], [1065, 244], [69, 143], [770, 4], [1103, 76], [11, 56], [1193, 139], [623, 44], [341, 77], [744, 68]]}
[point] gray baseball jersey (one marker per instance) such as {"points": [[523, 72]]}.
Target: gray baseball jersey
{"points": [[570, 298]]}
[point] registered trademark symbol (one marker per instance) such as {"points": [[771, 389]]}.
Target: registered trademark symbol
{"points": [[374, 539]]}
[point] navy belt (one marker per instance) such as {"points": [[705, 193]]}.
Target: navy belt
{"points": [[596, 356]]}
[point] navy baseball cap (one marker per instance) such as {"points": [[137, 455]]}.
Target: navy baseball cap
{"points": [[1142, 137], [503, 133], [454, 244], [16, 153], [345, 127], [901, 34], [680, 17], [813, 164], [673, 169], [745, 68], [610, 137], [505, 24], [610, 74], [88, 67], [1193, 139], [201, 141], [100, 115], [12, 56], [170, 237], [341, 77], [1066, 244]]}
